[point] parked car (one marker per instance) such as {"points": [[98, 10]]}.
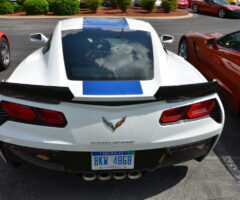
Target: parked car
{"points": [[218, 7], [183, 3], [105, 99], [137, 3], [232, 2], [217, 56], [4, 51]]}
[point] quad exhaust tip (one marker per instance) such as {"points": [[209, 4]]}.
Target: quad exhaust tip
{"points": [[108, 176], [135, 175], [119, 176], [104, 176], [89, 177]]}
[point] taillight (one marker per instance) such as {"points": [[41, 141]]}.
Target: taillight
{"points": [[16, 111], [34, 115], [173, 115], [188, 112], [201, 109], [51, 117]]}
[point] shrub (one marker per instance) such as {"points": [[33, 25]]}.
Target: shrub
{"points": [[114, 4], [93, 5], [124, 4], [6, 7], [167, 5], [148, 5], [66, 7], [18, 8], [174, 5], [20, 2], [51, 4], [35, 7]]}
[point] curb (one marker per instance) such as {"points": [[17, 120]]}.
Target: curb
{"points": [[69, 16]]}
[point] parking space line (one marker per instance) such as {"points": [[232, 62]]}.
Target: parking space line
{"points": [[228, 161]]}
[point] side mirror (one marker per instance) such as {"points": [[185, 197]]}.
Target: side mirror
{"points": [[38, 37], [212, 42], [167, 39]]}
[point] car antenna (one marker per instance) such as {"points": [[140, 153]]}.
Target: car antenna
{"points": [[121, 34]]}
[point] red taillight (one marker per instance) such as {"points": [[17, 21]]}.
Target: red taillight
{"points": [[33, 115], [201, 109], [188, 112], [173, 115], [51, 117], [16, 111]]}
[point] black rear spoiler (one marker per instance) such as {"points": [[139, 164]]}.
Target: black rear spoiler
{"points": [[181, 92], [39, 93], [52, 94]]}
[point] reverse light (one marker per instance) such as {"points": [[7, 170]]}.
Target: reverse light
{"points": [[19, 112], [188, 112], [51, 117]]}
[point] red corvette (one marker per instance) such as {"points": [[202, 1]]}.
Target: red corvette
{"points": [[4, 51], [217, 56], [183, 3], [217, 7]]}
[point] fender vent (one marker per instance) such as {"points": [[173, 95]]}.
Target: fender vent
{"points": [[216, 113], [3, 116]]}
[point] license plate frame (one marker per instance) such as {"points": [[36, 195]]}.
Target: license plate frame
{"points": [[112, 160]]}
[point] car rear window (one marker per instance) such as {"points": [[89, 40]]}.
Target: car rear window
{"points": [[94, 54]]}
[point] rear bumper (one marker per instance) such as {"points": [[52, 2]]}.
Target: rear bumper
{"points": [[80, 162], [183, 5]]}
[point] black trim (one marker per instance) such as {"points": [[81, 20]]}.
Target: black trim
{"points": [[49, 94], [182, 92], [195, 51], [145, 160], [52, 94]]}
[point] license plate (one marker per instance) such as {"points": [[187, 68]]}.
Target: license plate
{"points": [[112, 160]]}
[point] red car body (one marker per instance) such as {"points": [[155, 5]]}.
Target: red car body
{"points": [[183, 3], [4, 35], [208, 6], [216, 62]]}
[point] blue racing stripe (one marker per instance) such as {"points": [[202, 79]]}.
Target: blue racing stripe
{"points": [[112, 88], [105, 23]]}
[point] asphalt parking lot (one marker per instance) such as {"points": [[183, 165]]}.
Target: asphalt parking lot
{"points": [[217, 177]]}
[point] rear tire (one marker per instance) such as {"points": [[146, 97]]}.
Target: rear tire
{"points": [[222, 13], [195, 8], [4, 54], [183, 49]]}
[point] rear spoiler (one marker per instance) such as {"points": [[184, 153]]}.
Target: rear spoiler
{"points": [[52, 94]]}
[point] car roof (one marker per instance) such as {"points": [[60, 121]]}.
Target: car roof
{"points": [[105, 23]]}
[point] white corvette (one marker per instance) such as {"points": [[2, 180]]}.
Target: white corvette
{"points": [[104, 98]]}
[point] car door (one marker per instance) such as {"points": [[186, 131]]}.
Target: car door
{"points": [[205, 5], [220, 60]]}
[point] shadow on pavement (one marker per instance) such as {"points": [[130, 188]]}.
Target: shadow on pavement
{"points": [[29, 183], [227, 148]]}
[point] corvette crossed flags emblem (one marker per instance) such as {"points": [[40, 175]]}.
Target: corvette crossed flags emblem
{"points": [[110, 125]]}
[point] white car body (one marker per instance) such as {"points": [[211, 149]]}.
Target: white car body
{"points": [[85, 130], [158, 3]]}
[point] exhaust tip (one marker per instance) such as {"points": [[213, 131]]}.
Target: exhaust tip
{"points": [[104, 176], [119, 176], [89, 177], [135, 175]]}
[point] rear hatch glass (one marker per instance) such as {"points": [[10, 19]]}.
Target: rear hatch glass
{"points": [[94, 54]]}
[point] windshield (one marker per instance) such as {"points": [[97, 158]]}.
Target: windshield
{"points": [[231, 41], [220, 2], [94, 54]]}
